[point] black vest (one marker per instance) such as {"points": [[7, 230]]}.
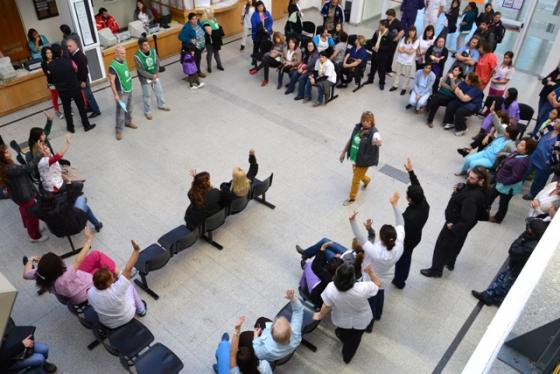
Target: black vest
{"points": [[368, 154]]}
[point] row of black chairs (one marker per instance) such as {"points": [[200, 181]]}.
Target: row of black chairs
{"points": [[157, 255]]}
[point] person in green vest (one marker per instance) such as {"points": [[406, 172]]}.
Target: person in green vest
{"points": [[147, 66], [121, 85]]}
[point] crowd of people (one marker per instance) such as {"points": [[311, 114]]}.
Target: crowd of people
{"points": [[350, 284]]}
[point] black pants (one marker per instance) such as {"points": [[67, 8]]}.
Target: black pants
{"points": [[389, 68], [349, 74], [503, 204], [258, 53], [350, 339], [435, 102], [448, 247], [402, 267], [66, 98], [211, 51], [456, 113], [376, 304], [266, 64], [379, 62]]}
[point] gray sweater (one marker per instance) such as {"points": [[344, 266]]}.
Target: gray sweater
{"points": [[143, 75]]}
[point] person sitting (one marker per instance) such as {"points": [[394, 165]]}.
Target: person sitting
{"points": [[116, 301], [339, 50], [467, 102], [304, 70], [354, 63], [323, 40], [519, 253], [509, 177], [49, 167], [233, 359], [445, 93], [324, 79], [241, 182], [338, 30], [213, 34], [503, 143], [104, 20], [36, 42], [205, 200], [18, 356], [71, 282], [422, 89], [291, 59], [275, 340], [272, 58], [545, 199], [539, 131], [406, 52], [468, 55], [143, 14], [348, 301]]}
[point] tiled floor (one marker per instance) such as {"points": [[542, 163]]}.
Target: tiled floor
{"points": [[138, 187]]}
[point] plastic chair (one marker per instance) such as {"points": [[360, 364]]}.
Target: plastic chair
{"points": [[308, 325], [211, 224], [76, 309], [129, 340], [308, 29], [525, 116], [259, 191], [237, 205], [150, 259], [158, 360], [178, 239]]}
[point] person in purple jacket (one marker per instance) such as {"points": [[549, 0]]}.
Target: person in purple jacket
{"points": [[509, 177]]}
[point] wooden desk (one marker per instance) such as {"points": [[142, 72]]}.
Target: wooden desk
{"points": [[168, 45], [29, 88]]}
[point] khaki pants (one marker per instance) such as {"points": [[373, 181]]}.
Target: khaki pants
{"points": [[359, 174]]}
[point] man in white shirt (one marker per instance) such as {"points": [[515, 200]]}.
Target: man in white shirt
{"points": [[116, 303], [432, 11]]}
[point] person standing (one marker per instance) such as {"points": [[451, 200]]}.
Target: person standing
{"points": [[213, 34], [409, 9], [261, 30], [47, 57], [363, 150], [246, 14], [332, 13], [415, 217], [396, 32], [381, 53], [192, 33], [348, 301], [121, 85], [432, 10], [81, 62], [66, 81], [465, 208], [486, 65], [67, 34], [147, 66]]}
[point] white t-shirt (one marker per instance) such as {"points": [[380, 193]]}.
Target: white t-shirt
{"points": [[502, 71], [405, 58], [327, 70], [350, 309], [114, 305], [382, 260], [51, 175]]}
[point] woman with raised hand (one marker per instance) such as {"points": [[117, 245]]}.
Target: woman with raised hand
{"points": [[241, 182]]}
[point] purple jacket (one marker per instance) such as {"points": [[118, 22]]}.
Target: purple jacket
{"points": [[513, 169], [512, 112], [189, 66]]}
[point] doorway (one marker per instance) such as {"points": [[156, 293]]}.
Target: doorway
{"points": [[13, 41]]}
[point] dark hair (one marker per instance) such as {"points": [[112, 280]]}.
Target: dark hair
{"points": [[391, 12], [415, 193], [428, 28], [143, 39], [327, 52], [474, 79], [358, 263], [34, 135], [191, 15], [190, 47], [481, 173], [343, 37], [44, 52], [513, 131], [49, 268], [512, 96], [294, 39], [4, 163], [101, 11], [102, 279], [65, 29], [344, 278], [30, 33], [530, 144], [485, 46], [388, 235], [200, 185], [510, 55], [144, 5], [488, 5], [429, 65], [497, 13], [56, 50], [455, 1], [247, 361], [411, 28], [333, 265], [260, 3], [384, 22]]}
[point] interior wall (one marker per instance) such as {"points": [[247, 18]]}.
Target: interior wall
{"points": [[372, 9], [49, 27], [122, 10]]}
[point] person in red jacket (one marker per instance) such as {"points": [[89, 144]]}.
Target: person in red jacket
{"points": [[103, 20]]}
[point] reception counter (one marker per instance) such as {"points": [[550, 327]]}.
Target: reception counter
{"points": [[28, 88]]}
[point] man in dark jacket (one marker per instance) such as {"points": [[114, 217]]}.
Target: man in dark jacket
{"points": [[415, 217], [468, 205], [519, 253], [68, 87], [396, 32], [381, 47], [81, 62], [497, 30], [332, 13]]}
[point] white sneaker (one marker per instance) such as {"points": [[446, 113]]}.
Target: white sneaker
{"points": [[42, 226], [201, 84], [448, 126], [194, 87], [43, 238], [460, 133], [59, 115]]}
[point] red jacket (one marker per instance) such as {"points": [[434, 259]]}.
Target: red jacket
{"points": [[110, 22]]}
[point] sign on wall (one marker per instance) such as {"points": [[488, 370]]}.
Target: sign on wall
{"points": [[45, 8], [513, 4]]}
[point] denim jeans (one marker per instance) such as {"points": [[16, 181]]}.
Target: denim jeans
{"points": [[540, 179], [147, 95], [294, 77], [321, 88], [222, 357], [499, 288], [303, 79], [81, 203], [330, 252], [91, 103], [37, 359]]}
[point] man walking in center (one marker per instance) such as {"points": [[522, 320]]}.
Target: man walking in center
{"points": [[121, 85], [147, 66], [81, 62]]}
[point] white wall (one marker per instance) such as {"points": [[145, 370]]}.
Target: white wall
{"points": [[48, 27], [122, 10], [371, 9]]}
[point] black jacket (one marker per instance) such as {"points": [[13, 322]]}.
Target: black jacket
{"points": [[441, 64], [465, 208], [520, 251], [64, 76], [292, 28], [82, 63], [19, 183], [555, 77], [452, 16], [368, 153], [195, 216], [415, 217], [227, 193], [385, 46]]}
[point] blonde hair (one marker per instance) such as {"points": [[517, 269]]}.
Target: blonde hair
{"points": [[208, 13], [240, 184], [277, 35], [282, 330], [368, 116], [361, 40]]}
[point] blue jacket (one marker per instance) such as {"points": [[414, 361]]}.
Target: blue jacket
{"points": [[256, 19], [338, 13], [187, 33]]}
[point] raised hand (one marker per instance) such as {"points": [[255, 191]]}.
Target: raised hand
{"points": [[353, 215], [408, 166], [239, 323], [394, 199], [135, 246]]}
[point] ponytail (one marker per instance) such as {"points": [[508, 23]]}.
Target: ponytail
{"points": [[388, 236]]}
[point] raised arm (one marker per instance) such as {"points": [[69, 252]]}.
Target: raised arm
{"points": [[359, 234], [48, 124], [88, 239], [394, 200], [410, 169], [253, 166], [66, 146], [235, 342], [127, 272]]}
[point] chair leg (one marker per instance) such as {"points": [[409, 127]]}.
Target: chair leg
{"points": [[263, 201], [144, 285], [74, 250], [93, 344], [308, 345], [209, 238]]}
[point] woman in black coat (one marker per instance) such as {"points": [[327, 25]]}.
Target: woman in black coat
{"points": [[205, 200], [241, 183]]}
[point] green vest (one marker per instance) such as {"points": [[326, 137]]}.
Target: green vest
{"points": [[149, 62], [125, 80]]}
